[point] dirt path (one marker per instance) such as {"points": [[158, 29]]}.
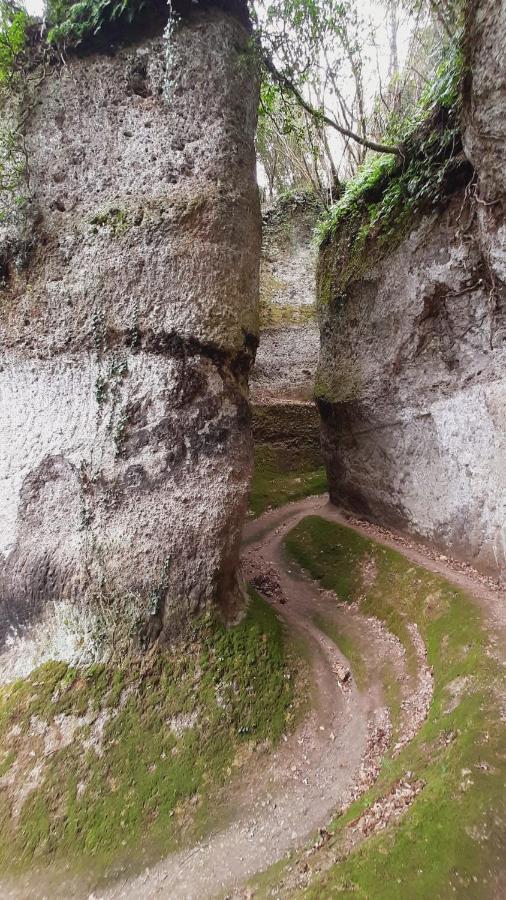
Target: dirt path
{"points": [[335, 754], [482, 588], [331, 758]]}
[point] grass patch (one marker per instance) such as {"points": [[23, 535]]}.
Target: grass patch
{"points": [[451, 841], [7, 758], [151, 745], [283, 474], [313, 543], [335, 556], [348, 646]]}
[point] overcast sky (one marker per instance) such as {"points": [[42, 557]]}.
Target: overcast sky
{"points": [[34, 7]]}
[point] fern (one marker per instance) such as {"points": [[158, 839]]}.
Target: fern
{"points": [[74, 23]]}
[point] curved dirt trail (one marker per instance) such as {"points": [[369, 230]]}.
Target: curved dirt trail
{"points": [[331, 757]]}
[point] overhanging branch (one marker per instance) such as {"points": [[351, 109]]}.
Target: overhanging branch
{"points": [[285, 82]]}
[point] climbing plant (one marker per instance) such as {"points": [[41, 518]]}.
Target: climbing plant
{"points": [[13, 58]]}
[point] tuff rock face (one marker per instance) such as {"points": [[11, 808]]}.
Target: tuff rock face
{"points": [[289, 339], [127, 333], [282, 379], [412, 372]]}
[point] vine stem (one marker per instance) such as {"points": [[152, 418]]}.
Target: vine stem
{"points": [[285, 82]]}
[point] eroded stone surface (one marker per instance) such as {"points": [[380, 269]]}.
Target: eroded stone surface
{"points": [[289, 340], [412, 366], [127, 338]]}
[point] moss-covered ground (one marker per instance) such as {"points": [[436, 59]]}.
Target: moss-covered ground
{"points": [[282, 315], [284, 473], [452, 840], [96, 762], [349, 647]]}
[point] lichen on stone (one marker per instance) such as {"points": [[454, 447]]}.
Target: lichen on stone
{"points": [[340, 381], [114, 220]]}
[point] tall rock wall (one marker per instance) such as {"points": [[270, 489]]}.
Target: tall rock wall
{"points": [[412, 373], [128, 326], [289, 338], [286, 423], [282, 379]]}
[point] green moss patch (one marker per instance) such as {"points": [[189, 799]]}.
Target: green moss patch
{"points": [[97, 762], [450, 842], [312, 543], [282, 315], [339, 382], [389, 194], [285, 473], [114, 220]]}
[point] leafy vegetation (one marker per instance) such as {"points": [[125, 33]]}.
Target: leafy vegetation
{"points": [[13, 173], [450, 840], [131, 757], [317, 86], [283, 474], [386, 193], [13, 26], [74, 23]]}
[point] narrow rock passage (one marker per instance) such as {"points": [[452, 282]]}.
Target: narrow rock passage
{"points": [[329, 760]]}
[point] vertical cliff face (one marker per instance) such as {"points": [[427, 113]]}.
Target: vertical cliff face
{"points": [[289, 338], [128, 329], [411, 377], [286, 424]]}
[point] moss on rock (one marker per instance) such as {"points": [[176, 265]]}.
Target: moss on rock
{"points": [[279, 315], [97, 761], [338, 383], [386, 198], [113, 219]]}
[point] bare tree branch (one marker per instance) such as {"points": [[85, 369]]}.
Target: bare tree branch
{"points": [[285, 82]]}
